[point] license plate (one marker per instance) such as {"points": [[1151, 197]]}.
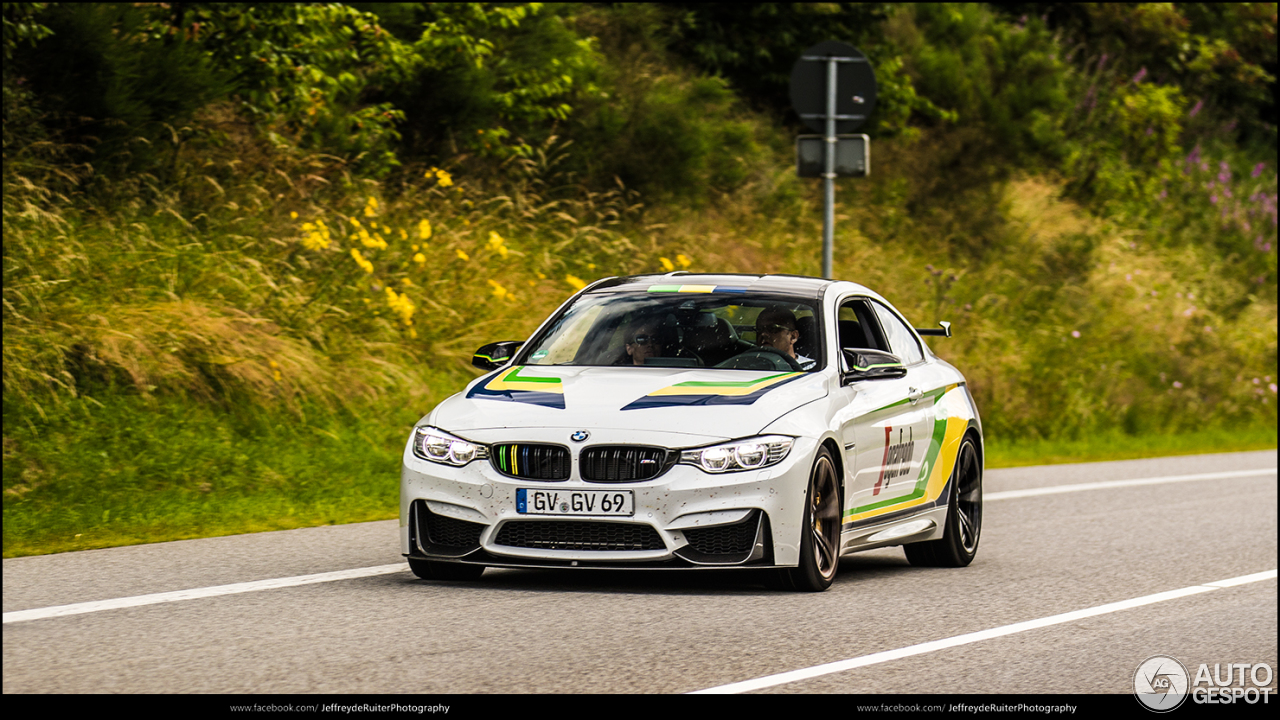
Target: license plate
{"points": [[575, 502]]}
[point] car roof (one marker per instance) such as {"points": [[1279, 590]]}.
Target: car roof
{"points": [[795, 285]]}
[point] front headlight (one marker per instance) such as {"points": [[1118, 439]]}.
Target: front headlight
{"points": [[439, 446], [747, 454]]}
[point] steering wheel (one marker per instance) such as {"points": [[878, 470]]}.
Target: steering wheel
{"points": [[761, 358]]}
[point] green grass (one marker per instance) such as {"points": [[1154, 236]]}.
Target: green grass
{"points": [[138, 470], [1119, 446], [135, 470]]}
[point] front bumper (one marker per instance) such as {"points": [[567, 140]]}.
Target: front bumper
{"points": [[685, 518]]}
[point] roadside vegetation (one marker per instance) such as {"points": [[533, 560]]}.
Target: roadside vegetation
{"points": [[247, 246]]}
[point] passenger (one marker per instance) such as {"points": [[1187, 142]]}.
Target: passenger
{"points": [[776, 328]]}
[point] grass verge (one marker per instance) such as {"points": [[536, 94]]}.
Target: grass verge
{"points": [[138, 470], [1120, 446]]}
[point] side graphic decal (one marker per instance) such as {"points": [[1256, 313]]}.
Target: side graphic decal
{"points": [[712, 393], [950, 423], [897, 457], [511, 385]]}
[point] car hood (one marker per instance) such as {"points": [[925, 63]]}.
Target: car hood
{"points": [[709, 403]]}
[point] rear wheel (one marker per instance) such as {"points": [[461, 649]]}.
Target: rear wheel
{"points": [[959, 543], [431, 570], [820, 532]]}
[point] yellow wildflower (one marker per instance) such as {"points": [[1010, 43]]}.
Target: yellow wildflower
{"points": [[666, 264], [496, 244], [442, 178], [400, 304], [293, 215], [462, 256], [403, 235], [406, 282], [371, 207], [498, 291], [684, 261], [372, 241], [419, 258], [591, 266], [361, 261], [315, 241], [424, 230], [575, 281]]}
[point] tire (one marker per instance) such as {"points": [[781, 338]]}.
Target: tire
{"points": [[429, 570], [959, 543], [820, 532]]}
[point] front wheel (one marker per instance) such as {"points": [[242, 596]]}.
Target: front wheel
{"points": [[431, 570], [819, 532], [959, 543]]}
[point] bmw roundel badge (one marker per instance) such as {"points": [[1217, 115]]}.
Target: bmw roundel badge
{"points": [[579, 436]]}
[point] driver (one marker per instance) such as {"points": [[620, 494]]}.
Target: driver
{"points": [[776, 328], [643, 341]]}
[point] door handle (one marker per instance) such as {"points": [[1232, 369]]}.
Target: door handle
{"points": [[914, 395]]}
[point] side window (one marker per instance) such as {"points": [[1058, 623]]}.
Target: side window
{"points": [[901, 342], [854, 326]]}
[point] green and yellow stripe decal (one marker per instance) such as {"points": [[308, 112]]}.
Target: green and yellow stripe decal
{"points": [[508, 459], [696, 289], [717, 392], [949, 426], [511, 385]]}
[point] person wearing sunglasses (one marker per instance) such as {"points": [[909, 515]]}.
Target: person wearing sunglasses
{"points": [[643, 342], [776, 328]]}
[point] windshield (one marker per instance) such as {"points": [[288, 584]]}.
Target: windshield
{"points": [[732, 331]]}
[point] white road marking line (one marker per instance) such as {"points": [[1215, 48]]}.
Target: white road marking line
{"points": [[1055, 489], [137, 600], [886, 656]]}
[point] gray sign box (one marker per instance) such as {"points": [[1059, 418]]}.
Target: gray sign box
{"points": [[853, 155]]}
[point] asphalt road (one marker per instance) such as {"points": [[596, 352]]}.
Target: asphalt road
{"points": [[535, 631]]}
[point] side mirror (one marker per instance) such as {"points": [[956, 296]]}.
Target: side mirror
{"points": [[861, 364], [495, 355]]}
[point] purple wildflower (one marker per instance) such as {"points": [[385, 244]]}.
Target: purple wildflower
{"points": [[1141, 74], [1196, 109], [1257, 169], [1224, 172]]}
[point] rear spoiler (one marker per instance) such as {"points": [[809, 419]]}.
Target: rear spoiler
{"points": [[944, 332]]}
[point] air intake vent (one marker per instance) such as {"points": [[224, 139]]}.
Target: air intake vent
{"points": [[568, 535], [735, 539], [438, 534], [531, 462], [624, 463]]}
